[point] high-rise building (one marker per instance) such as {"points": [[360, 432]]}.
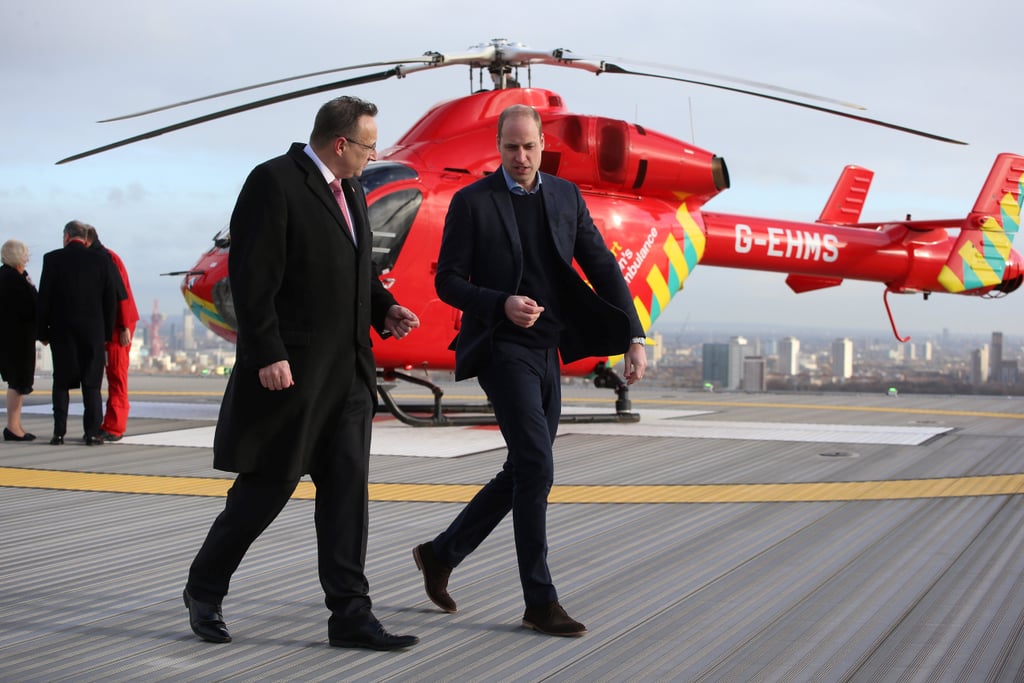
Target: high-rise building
{"points": [[842, 358], [789, 356], [995, 358], [188, 331], [754, 378], [979, 365], [658, 350], [738, 351], [715, 359]]}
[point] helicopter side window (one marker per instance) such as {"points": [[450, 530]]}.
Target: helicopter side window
{"points": [[391, 217], [380, 173]]}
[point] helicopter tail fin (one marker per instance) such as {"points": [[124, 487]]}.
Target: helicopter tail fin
{"points": [[847, 199], [978, 262]]}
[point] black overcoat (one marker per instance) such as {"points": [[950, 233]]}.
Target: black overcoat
{"points": [[303, 292], [76, 313], [481, 264], [18, 341]]}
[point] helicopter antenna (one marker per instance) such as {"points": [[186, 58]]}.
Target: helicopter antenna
{"points": [[693, 133]]}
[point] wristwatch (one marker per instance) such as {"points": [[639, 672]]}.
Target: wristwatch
{"points": [[638, 340]]}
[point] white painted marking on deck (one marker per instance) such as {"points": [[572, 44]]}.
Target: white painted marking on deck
{"points": [[391, 437]]}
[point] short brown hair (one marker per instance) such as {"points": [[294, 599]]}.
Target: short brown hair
{"points": [[338, 118], [517, 110]]}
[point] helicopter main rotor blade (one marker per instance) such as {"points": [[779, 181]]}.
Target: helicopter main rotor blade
{"points": [[360, 80], [428, 58], [614, 69], [744, 81]]}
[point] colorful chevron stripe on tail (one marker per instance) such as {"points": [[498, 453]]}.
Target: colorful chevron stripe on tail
{"points": [[979, 259], [681, 251]]}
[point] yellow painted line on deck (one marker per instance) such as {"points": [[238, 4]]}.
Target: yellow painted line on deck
{"points": [[943, 487]]}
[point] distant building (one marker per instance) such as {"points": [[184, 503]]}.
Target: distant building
{"points": [[842, 358], [995, 358], [738, 352], [789, 356], [188, 331], [754, 376], [44, 359], [715, 359], [979, 365], [658, 350], [1009, 373]]}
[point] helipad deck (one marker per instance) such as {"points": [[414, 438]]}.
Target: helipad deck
{"points": [[723, 538]]}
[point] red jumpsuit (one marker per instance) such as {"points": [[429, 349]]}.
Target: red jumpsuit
{"points": [[115, 419]]}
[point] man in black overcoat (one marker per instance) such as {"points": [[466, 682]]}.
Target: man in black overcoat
{"points": [[506, 257], [301, 396], [76, 316]]}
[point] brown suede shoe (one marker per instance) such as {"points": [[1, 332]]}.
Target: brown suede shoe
{"points": [[551, 619], [435, 576]]}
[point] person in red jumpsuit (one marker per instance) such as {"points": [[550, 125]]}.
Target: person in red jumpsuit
{"points": [[115, 418]]}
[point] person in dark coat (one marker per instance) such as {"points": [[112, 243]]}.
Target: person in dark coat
{"points": [[76, 317], [301, 396], [18, 340], [505, 261]]}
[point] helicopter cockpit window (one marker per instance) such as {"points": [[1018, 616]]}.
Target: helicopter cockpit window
{"points": [[391, 217], [378, 174]]}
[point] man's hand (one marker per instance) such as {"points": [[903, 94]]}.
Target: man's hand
{"points": [[400, 321], [277, 376], [522, 310], [635, 363]]}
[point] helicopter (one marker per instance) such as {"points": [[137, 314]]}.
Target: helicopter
{"points": [[646, 192]]}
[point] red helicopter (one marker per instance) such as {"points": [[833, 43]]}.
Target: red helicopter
{"points": [[646, 192]]}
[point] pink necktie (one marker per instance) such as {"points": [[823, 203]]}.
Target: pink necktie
{"points": [[343, 205]]}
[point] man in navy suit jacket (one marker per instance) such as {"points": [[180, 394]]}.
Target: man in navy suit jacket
{"points": [[506, 262]]}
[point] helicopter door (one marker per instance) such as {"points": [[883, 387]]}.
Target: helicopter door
{"points": [[391, 217]]}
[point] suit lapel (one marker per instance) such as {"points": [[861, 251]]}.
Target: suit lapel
{"points": [[320, 189], [503, 203], [562, 240], [357, 209]]}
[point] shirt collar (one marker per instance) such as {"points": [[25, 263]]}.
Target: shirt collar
{"points": [[328, 176], [516, 188]]}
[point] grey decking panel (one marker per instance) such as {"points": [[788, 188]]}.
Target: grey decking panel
{"points": [[872, 590]]}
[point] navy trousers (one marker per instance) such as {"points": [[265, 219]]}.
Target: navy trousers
{"points": [[524, 386]]}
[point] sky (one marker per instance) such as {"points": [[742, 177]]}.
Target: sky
{"points": [[944, 67]]}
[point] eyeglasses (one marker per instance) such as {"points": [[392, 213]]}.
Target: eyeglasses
{"points": [[369, 148]]}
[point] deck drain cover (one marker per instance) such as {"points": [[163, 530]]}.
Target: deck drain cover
{"points": [[839, 454]]}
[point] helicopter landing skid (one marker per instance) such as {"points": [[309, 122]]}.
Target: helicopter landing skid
{"points": [[481, 414]]}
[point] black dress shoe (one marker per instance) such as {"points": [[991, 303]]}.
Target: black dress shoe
{"points": [[373, 636], [11, 436], [57, 440], [93, 441], [206, 620], [107, 436], [435, 576]]}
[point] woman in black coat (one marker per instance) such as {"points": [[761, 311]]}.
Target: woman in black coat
{"points": [[18, 339]]}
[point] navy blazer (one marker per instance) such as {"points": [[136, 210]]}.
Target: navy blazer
{"points": [[481, 264]]}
